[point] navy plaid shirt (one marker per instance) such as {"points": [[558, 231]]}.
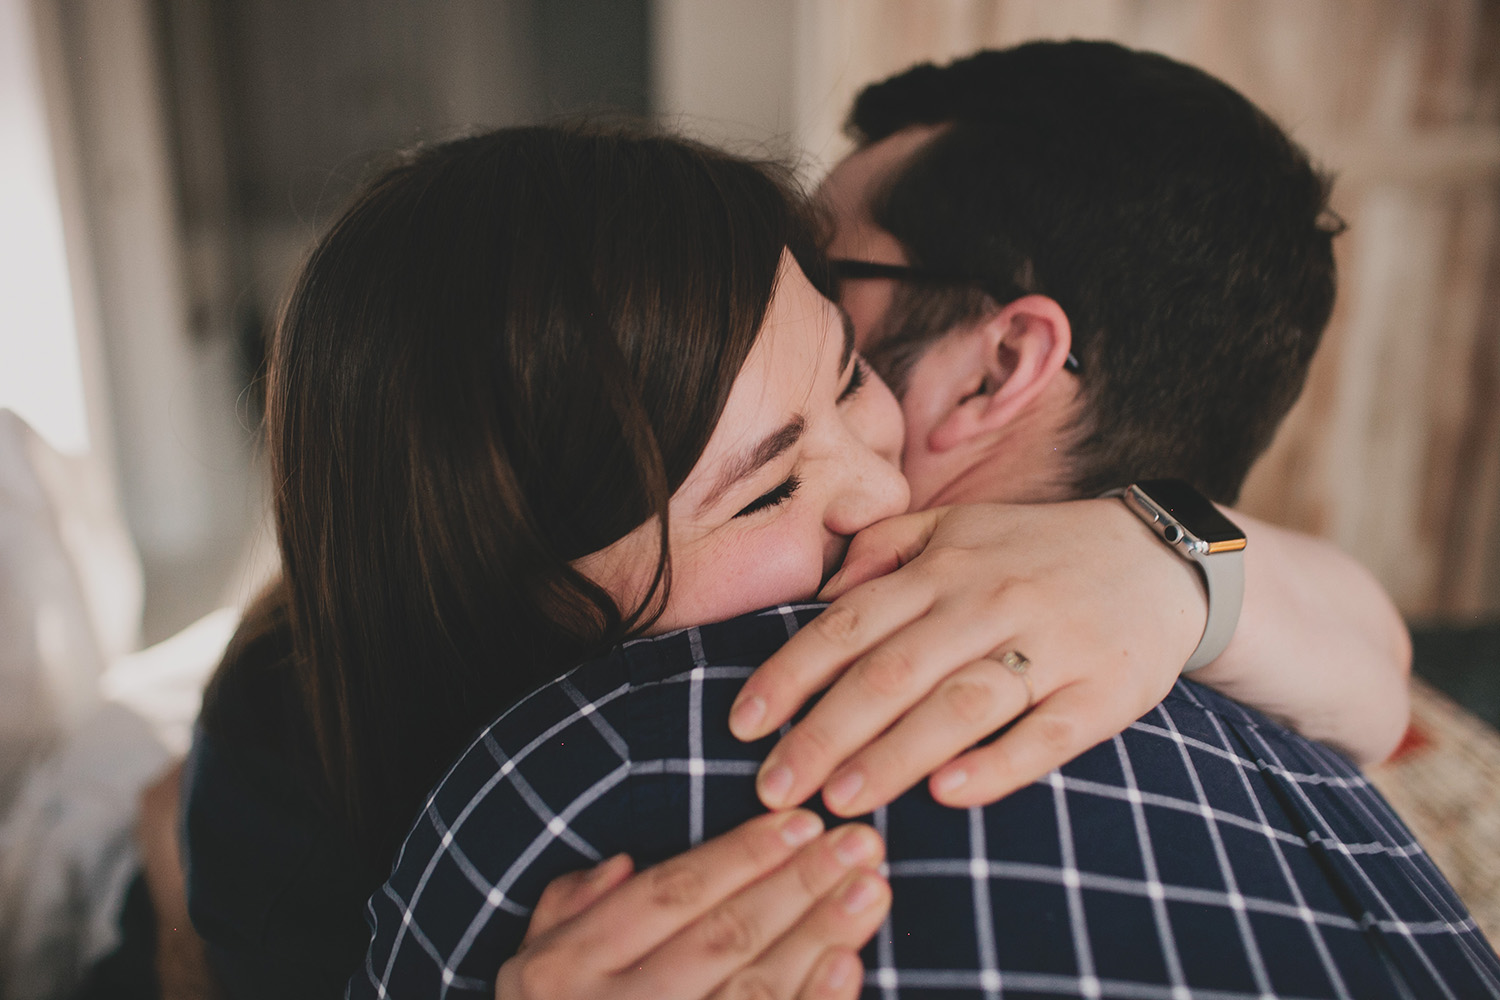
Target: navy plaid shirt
{"points": [[1204, 852]]}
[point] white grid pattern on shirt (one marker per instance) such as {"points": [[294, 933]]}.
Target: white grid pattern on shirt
{"points": [[506, 770], [984, 923], [1390, 921], [1071, 881], [884, 974], [1309, 918], [1226, 871], [696, 767], [1155, 891]]}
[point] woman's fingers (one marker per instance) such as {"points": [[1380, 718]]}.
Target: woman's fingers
{"points": [[882, 548], [963, 709], [637, 917], [569, 895], [813, 657], [745, 939], [819, 953], [838, 974], [872, 694], [1059, 728], [606, 930]]}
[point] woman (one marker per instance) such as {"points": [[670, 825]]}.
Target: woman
{"points": [[538, 392], [508, 408]]}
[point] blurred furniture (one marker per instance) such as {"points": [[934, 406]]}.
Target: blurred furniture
{"points": [[1442, 781], [86, 719], [1463, 662]]}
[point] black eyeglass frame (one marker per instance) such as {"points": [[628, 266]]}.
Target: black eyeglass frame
{"points": [[845, 267]]}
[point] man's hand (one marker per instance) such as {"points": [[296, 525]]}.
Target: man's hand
{"points": [[775, 908], [1105, 613], [181, 963]]}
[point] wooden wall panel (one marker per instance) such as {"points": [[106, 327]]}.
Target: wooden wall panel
{"points": [[1394, 449]]}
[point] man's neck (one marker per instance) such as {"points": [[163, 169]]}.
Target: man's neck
{"points": [[1026, 462]]}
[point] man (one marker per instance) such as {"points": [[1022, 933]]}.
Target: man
{"points": [[1036, 237], [1079, 266]]}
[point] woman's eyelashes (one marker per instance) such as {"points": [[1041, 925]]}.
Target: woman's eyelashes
{"points": [[856, 380], [772, 498], [787, 488]]}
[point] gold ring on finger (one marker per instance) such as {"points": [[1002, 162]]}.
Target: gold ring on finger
{"points": [[1018, 664]]}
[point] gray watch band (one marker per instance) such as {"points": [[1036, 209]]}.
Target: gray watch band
{"points": [[1220, 558], [1224, 578]]}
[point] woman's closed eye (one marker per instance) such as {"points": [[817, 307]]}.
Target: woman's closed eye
{"points": [[857, 378], [772, 498]]}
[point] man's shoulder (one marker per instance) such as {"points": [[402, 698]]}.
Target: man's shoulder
{"points": [[1199, 715], [736, 643], [637, 702], [563, 779], [633, 672]]}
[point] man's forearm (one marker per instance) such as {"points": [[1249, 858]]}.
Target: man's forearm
{"points": [[181, 960], [1319, 645], [181, 965]]}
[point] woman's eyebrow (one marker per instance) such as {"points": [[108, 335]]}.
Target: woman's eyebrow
{"points": [[751, 459]]}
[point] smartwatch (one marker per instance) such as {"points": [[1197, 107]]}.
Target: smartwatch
{"points": [[1192, 526]]}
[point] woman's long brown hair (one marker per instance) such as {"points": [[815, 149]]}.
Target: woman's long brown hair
{"points": [[505, 355]]}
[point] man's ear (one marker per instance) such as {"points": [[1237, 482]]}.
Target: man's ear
{"points": [[1002, 366]]}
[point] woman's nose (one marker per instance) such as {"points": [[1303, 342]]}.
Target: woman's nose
{"points": [[874, 490]]}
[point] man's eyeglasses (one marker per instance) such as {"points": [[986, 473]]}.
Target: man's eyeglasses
{"points": [[857, 269]]}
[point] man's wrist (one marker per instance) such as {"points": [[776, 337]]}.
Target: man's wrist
{"points": [[1197, 532], [1177, 594]]}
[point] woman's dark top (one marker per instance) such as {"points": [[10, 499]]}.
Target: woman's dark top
{"points": [[275, 887]]}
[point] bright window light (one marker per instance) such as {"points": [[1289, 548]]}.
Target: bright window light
{"points": [[39, 368]]}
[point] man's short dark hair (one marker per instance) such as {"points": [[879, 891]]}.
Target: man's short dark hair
{"points": [[1186, 237]]}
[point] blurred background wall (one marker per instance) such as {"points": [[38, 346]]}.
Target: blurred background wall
{"points": [[173, 159]]}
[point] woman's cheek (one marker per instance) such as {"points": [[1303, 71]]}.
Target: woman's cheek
{"points": [[881, 423], [745, 572]]}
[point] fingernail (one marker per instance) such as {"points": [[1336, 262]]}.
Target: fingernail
{"points": [[746, 715], [839, 971], [833, 582], [855, 845], [776, 784], [859, 896], [950, 780], [800, 828], [843, 788]]}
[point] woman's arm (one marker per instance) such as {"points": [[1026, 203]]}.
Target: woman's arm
{"points": [[1105, 613]]}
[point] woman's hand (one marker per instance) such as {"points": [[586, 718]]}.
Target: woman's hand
{"points": [[774, 908], [1105, 613]]}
